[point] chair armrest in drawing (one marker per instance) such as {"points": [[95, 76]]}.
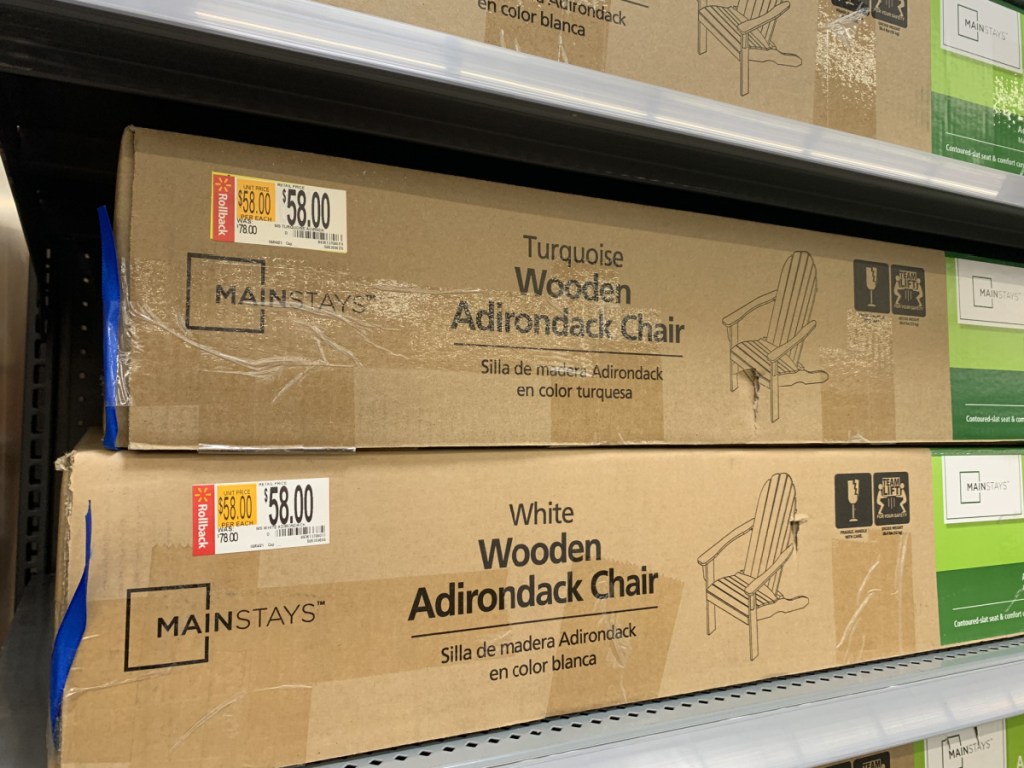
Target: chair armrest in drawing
{"points": [[745, 27], [717, 548], [752, 588], [734, 317], [798, 338]]}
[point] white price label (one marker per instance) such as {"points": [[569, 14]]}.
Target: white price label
{"points": [[266, 212], [263, 514]]}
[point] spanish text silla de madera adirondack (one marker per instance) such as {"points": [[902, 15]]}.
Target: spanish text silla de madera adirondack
{"points": [[459, 599]]}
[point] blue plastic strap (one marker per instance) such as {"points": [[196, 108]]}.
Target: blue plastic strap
{"points": [[111, 289], [69, 637]]}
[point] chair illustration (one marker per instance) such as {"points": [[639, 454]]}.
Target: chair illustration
{"points": [[745, 30], [752, 594], [774, 359]]}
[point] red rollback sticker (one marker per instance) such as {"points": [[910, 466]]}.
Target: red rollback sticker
{"points": [[203, 524], [222, 208]]}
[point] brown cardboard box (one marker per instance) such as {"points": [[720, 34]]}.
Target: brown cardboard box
{"points": [[439, 311], [454, 591], [858, 67], [896, 757]]}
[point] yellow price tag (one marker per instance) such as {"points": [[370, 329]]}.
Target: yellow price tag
{"points": [[255, 199], [236, 505]]}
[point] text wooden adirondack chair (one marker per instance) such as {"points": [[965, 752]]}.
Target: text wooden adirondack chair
{"points": [[745, 30], [775, 357], [753, 593]]}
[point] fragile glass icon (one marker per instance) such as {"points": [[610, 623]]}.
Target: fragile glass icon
{"points": [[852, 495], [871, 279]]}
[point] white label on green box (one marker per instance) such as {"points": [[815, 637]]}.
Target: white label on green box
{"points": [[982, 488], [990, 294], [982, 30], [982, 746]]}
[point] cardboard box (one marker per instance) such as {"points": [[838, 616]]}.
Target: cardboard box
{"points": [[858, 67], [977, 56], [896, 757], [439, 311], [426, 594]]}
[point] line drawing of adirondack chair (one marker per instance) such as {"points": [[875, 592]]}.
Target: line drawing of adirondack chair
{"points": [[745, 30], [774, 358], [752, 594]]}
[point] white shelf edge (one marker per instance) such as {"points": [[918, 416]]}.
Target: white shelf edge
{"points": [[798, 722], [334, 34], [821, 732]]}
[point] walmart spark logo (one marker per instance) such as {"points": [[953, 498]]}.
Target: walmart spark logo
{"points": [[202, 504]]}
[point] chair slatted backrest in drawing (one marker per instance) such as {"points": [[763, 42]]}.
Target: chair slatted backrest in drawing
{"points": [[752, 9], [794, 301], [772, 531]]}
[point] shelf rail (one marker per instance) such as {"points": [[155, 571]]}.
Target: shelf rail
{"points": [[794, 722], [338, 35]]}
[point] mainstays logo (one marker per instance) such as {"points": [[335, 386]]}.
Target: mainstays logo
{"points": [[986, 294], [981, 746], [333, 302], [978, 487], [246, 618], [955, 749], [982, 30], [972, 487], [171, 626], [973, 29], [230, 293], [989, 294]]}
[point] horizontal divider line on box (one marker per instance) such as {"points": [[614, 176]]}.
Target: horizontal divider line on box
{"points": [[533, 621]]}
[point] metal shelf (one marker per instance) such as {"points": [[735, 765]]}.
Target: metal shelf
{"points": [[24, 679], [337, 35], [316, 64], [805, 720]]}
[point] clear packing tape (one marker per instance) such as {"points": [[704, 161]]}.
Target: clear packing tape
{"points": [[115, 388], [346, 37], [121, 316]]}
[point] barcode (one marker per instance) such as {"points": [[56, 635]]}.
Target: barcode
{"points": [[300, 530], [312, 234]]}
